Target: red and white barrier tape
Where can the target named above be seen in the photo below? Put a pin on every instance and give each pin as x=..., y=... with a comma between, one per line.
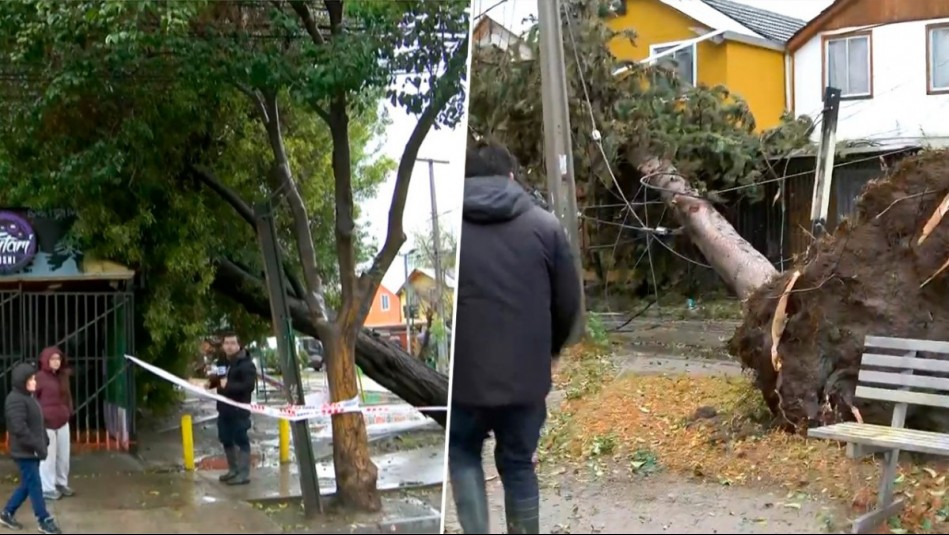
x=292, y=413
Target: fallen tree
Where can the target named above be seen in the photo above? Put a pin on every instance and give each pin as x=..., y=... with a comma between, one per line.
x=382, y=361
x=803, y=331
x=872, y=277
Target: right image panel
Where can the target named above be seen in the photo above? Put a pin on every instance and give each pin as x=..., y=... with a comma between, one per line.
x=655, y=324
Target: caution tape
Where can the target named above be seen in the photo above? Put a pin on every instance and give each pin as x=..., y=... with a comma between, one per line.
x=292, y=413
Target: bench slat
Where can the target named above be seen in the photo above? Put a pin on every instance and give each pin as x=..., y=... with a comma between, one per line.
x=904, y=380
x=886, y=437
x=903, y=396
x=904, y=363
x=906, y=344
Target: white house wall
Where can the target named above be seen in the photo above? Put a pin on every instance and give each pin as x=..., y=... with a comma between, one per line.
x=900, y=111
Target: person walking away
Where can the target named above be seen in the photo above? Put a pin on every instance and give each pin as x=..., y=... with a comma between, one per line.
x=28, y=447
x=55, y=398
x=518, y=300
x=233, y=423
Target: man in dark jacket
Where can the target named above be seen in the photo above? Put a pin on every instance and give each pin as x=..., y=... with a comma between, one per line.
x=518, y=300
x=28, y=447
x=233, y=423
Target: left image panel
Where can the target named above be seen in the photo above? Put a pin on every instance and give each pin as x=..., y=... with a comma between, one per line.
x=228, y=237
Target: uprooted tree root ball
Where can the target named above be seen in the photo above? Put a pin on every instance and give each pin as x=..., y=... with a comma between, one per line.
x=869, y=278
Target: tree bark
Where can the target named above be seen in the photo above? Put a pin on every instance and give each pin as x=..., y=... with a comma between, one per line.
x=384, y=362
x=735, y=260
x=356, y=474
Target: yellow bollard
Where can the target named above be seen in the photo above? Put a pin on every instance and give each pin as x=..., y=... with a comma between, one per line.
x=284, y=441
x=187, y=442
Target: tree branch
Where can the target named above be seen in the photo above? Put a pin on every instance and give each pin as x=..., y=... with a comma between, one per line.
x=335, y=10
x=256, y=99
x=244, y=210
x=230, y=196
x=345, y=221
x=301, y=9
x=283, y=179
x=395, y=236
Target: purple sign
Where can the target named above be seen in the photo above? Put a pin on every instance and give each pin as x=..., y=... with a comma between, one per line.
x=17, y=243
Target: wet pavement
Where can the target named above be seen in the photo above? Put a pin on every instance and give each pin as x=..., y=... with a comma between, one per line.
x=420, y=467
x=151, y=492
x=115, y=494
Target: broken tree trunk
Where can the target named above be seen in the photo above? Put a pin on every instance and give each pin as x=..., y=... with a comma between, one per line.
x=868, y=278
x=742, y=267
x=384, y=362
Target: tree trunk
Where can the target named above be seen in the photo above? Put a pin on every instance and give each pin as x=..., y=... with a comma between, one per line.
x=742, y=267
x=872, y=277
x=384, y=362
x=356, y=475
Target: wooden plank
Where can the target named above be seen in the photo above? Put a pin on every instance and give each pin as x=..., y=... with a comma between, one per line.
x=907, y=344
x=868, y=522
x=885, y=437
x=904, y=380
x=902, y=396
x=904, y=363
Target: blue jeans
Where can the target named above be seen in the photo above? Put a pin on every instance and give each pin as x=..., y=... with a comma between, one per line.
x=30, y=487
x=516, y=434
x=232, y=431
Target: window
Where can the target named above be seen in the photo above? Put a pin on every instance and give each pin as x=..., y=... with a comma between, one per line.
x=938, y=61
x=385, y=302
x=682, y=61
x=848, y=66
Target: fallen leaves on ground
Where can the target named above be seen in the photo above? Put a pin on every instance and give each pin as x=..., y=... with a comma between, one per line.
x=710, y=427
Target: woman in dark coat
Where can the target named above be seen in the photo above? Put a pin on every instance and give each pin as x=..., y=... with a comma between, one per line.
x=28, y=447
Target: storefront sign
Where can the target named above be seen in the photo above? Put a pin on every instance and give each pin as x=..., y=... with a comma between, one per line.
x=17, y=243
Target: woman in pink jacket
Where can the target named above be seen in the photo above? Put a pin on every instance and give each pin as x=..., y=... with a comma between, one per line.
x=55, y=398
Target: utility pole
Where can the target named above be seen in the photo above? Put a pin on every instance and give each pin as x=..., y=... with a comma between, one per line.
x=824, y=174
x=439, y=274
x=558, y=143
x=407, y=305
x=286, y=350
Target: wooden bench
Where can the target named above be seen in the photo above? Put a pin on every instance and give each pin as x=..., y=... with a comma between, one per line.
x=893, y=379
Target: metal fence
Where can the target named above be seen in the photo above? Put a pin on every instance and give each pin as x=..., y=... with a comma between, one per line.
x=94, y=330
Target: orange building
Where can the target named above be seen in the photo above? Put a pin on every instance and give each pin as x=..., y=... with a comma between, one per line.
x=386, y=309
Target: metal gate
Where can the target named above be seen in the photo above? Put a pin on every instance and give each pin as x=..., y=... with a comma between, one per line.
x=95, y=331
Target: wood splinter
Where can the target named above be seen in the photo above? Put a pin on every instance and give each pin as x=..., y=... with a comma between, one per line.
x=934, y=220
x=934, y=275
x=780, y=321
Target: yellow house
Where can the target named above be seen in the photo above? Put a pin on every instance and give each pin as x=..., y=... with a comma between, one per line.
x=713, y=42
x=419, y=294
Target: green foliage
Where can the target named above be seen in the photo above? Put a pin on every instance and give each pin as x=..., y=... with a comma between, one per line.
x=108, y=105
x=708, y=132
x=596, y=332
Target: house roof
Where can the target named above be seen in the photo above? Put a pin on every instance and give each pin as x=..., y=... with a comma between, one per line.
x=768, y=24
x=810, y=29
x=737, y=18
x=430, y=273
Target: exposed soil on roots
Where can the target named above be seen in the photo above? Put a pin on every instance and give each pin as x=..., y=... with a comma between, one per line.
x=863, y=280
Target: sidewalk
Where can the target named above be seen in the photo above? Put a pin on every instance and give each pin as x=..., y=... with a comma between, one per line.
x=114, y=494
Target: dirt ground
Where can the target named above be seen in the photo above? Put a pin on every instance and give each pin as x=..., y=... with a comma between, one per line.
x=588, y=498
x=618, y=503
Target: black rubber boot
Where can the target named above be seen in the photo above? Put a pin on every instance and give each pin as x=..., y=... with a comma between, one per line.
x=243, y=469
x=231, y=455
x=523, y=516
x=471, y=500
